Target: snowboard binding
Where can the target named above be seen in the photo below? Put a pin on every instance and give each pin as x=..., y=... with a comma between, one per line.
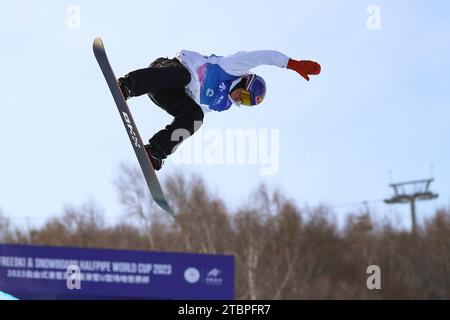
x=156, y=155
x=125, y=87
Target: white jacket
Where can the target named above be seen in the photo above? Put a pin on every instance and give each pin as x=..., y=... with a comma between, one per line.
x=237, y=64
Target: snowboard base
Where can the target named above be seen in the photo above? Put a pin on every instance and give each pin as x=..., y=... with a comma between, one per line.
x=131, y=128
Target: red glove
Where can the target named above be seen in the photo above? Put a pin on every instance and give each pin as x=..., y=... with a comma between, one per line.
x=304, y=67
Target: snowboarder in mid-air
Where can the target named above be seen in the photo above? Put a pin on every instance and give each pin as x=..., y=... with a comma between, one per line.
x=189, y=84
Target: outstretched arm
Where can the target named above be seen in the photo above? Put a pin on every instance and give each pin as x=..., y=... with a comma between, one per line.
x=241, y=62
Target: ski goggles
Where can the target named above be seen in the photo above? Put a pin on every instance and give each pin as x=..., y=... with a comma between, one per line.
x=249, y=94
x=246, y=98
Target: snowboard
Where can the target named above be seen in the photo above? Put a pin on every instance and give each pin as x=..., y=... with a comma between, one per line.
x=130, y=126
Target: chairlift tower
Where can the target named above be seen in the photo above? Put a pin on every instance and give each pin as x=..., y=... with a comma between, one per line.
x=409, y=192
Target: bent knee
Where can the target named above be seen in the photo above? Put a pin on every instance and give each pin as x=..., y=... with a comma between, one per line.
x=194, y=116
x=192, y=112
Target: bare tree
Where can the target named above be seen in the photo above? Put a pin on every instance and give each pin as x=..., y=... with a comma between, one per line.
x=201, y=224
x=250, y=243
x=136, y=201
x=5, y=228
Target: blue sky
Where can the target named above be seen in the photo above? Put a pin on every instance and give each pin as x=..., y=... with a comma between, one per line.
x=380, y=105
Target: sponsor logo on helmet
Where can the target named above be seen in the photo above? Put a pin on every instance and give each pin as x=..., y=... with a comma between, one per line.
x=259, y=99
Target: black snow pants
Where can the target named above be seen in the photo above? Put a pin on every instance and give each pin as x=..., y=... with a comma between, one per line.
x=164, y=82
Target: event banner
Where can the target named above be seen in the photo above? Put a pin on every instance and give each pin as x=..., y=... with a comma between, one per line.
x=43, y=272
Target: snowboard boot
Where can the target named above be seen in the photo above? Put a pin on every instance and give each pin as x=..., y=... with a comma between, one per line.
x=156, y=155
x=125, y=87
